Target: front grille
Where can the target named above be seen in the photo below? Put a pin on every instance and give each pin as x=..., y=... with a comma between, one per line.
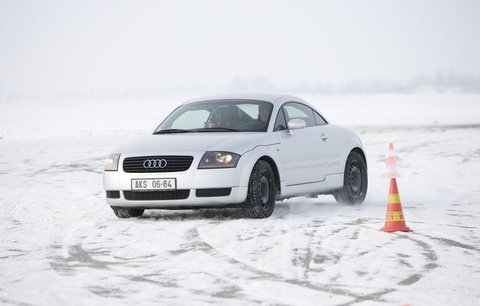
x=113, y=194
x=180, y=194
x=173, y=164
x=213, y=192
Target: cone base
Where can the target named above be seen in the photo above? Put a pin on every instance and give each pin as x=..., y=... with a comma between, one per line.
x=391, y=229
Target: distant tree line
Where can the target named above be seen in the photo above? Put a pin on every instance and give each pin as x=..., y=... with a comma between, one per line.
x=441, y=82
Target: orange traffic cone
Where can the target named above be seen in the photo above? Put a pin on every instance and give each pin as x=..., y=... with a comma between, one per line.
x=394, y=221
x=391, y=163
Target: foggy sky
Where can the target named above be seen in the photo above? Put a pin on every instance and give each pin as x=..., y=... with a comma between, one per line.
x=48, y=47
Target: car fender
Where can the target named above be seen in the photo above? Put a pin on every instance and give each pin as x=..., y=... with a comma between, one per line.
x=353, y=142
x=250, y=158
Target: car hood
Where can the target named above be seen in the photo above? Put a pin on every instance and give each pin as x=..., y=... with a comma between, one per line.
x=193, y=142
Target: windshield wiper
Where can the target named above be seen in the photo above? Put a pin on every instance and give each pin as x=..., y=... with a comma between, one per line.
x=171, y=131
x=217, y=129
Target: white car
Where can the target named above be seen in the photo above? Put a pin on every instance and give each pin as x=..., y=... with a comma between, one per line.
x=248, y=150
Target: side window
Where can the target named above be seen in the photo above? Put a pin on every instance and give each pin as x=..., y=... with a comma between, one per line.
x=280, y=122
x=295, y=110
x=319, y=119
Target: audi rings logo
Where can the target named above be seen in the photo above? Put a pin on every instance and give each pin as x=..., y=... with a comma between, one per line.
x=155, y=163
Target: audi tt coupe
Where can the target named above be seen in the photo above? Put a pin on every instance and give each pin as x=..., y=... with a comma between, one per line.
x=247, y=150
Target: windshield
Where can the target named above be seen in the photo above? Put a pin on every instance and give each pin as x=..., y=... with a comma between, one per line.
x=218, y=116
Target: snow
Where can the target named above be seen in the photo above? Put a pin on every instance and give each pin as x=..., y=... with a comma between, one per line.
x=61, y=244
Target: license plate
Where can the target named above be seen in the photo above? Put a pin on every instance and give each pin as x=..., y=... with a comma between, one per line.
x=154, y=184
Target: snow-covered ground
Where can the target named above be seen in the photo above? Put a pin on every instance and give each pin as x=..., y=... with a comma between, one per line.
x=61, y=244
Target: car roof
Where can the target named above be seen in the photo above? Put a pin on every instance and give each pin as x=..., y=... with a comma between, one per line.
x=269, y=97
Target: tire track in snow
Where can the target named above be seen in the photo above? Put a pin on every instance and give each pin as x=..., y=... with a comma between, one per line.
x=431, y=256
x=211, y=250
x=325, y=288
x=425, y=249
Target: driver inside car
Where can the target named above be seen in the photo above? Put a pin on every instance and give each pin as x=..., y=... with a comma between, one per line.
x=223, y=117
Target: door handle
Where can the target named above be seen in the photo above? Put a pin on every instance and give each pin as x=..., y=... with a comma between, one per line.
x=323, y=137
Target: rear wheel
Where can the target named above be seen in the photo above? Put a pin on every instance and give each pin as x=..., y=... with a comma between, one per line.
x=122, y=212
x=355, y=181
x=261, y=192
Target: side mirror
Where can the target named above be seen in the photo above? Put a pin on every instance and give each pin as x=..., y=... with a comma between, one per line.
x=296, y=124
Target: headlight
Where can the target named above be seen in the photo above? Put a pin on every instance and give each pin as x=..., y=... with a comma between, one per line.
x=111, y=163
x=218, y=159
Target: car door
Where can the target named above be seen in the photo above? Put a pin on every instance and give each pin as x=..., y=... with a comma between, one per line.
x=331, y=145
x=303, y=154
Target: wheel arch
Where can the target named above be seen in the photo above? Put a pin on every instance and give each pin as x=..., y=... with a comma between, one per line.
x=359, y=151
x=276, y=173
x=347, y=153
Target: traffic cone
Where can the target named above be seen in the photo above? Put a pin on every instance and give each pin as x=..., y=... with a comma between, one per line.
x=394, y=221
x=391, y=163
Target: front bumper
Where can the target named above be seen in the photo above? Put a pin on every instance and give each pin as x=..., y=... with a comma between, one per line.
x=195, y=188
x=237, y=195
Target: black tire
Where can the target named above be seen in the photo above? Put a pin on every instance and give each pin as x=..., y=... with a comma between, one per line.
x=261, y=192
x=122, y=212
x=355, y=181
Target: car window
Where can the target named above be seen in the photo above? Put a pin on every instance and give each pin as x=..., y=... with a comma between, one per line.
x=227, y=115
x=319, y=119
x=191, y=119
x=280, y=122
x=295, y=110
x=249, y=109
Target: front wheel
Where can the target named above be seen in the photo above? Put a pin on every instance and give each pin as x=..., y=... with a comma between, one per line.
x=261, y=192
x=355, y=181
x=122, y=212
